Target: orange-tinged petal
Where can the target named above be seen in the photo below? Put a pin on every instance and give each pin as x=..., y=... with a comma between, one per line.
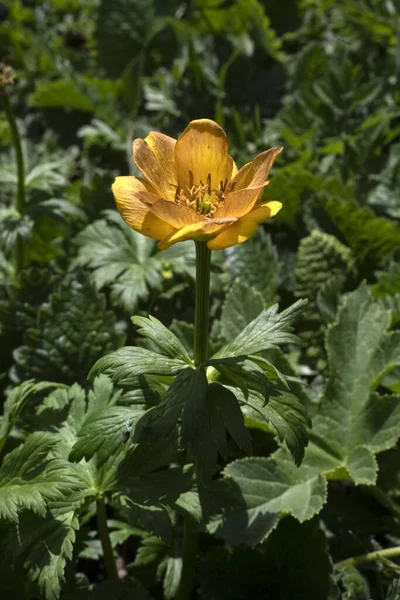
x=136, y=213
x=202, y=149
x=197, y=231
x=155, y=157
x=239, y=203
x=255, y=172
x=176, y=215
x=244, y=228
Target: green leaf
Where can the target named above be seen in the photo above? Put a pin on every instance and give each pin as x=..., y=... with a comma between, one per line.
x=355, y=585
x=124, y=29
x=242, y=304
x=103, y=433
x=261, y=490
x=287, y=416
x=361, y=465
x=232, y=417
x=353, y=423
x=256, y=264
x=185, y=332
x=173, y=572
x=15, y=404
x=320, y=259
x=128, y=261
x=153, y=329
x=370, y=237
x=269, y=330
x=162, y=419
x=29, y=478
x=121, y=258
x=126, y=364
x=43, y=545
x=83, y=93
x=73, y=332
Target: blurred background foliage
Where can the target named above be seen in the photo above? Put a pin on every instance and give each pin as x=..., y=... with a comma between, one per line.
x=320, y=77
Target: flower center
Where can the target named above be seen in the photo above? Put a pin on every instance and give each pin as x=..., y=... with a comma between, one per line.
x=203, y=198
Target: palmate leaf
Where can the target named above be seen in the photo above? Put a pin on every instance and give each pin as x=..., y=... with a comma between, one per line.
x=153, y=329
x=286, y=415
x=260, y=490
x=126, y=364
x=73, y=332
x=205, y=425
x=37, y=477
x=269, y=330
x=13, y=225
x=42, y=546
x=15, y=403
x=352, y=422
x=104, y=432
x=208, y=412
x=29, y=478
x=127, y=261
x=242, y=304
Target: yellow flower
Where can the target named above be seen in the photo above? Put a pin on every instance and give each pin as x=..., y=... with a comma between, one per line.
x=193, y=190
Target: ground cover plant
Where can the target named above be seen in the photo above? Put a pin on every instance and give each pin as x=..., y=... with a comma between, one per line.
x=199, y=374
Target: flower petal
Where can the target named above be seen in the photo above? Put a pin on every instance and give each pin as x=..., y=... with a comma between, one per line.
x=244, y=228
x=137, y=213
x=255, y=172
x=197, y=231
x=202, y=149
x=155, y=157
x=176, y=215
x=239, y=203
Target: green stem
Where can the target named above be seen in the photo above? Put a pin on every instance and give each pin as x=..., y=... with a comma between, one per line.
x=20, y=198
x=189, y=560
x=369, y=557
x=108, y=555
x=203, y=263
x=201, y=310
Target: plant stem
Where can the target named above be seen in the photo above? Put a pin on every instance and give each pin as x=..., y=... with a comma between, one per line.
x=111, y=568
x=189, y=560
x=203, y=263
x=369, y=557
x=201, y=310
x=20, y=198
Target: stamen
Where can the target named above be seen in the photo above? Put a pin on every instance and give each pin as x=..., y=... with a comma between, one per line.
x=209, y=183
x=202, y=198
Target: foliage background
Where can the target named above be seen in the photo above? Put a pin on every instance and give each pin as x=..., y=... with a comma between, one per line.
x=319, y=77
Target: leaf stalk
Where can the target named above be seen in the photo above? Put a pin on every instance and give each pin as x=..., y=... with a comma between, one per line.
x=20, y=197
x=355, y=561
x=104, y=534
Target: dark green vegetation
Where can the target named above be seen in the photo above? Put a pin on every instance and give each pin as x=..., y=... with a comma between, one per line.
x=319, y=77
